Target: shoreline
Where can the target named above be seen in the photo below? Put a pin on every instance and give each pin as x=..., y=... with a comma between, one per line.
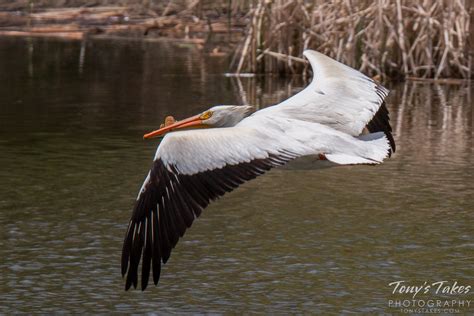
x=244, y=37
x=219, y=35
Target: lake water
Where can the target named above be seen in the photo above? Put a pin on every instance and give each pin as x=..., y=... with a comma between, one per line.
x=72, y=159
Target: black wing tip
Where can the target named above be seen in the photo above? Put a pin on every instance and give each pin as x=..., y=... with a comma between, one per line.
x=144, y=285
x=391, y=140
x=380, y=122
x=171, y=201
x=128, y=284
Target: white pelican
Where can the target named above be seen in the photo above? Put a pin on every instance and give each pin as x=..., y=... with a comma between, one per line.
x=191, y=168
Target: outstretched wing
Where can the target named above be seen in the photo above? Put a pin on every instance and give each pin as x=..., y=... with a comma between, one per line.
x=193, y=168
x=190, y=169
x=340, y=97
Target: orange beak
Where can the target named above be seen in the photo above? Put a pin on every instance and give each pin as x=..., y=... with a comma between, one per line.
x=194, y=121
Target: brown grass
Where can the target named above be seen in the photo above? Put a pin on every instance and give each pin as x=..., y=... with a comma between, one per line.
x=401, y=38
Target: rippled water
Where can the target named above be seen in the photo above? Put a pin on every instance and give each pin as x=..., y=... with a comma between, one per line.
x=72, y=159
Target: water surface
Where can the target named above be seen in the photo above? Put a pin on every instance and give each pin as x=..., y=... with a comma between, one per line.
x=72, y=116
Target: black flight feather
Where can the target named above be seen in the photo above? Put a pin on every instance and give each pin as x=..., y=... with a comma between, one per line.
x=169, y=203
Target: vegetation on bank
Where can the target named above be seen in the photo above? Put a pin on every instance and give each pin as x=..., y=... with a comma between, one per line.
x=427, y=39
x=383, y=38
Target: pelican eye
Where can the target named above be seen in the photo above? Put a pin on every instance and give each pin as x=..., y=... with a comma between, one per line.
x=206, y=115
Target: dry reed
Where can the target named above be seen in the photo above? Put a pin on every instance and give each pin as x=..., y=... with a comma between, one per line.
x=402, y=38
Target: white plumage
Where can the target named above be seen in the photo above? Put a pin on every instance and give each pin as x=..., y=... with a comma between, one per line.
x=338, y=96
x=256, y=137
x=193, y=167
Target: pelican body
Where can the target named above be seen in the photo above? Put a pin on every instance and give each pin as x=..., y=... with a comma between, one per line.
x=340, y=117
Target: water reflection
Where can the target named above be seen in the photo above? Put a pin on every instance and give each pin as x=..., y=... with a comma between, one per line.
x=440, y=116
x=309, y=241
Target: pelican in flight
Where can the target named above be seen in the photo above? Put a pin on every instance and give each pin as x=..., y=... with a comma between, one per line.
x=340, y=117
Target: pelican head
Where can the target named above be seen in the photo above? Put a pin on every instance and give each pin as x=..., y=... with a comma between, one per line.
x=217, y=116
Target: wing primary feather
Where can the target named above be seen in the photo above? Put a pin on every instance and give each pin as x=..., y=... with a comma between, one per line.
x=189, y=199
x=168, y=229
x=172, y=212
x=242, y=172
x=253, y=168
x=195, y=192
x=233, y=178
x=126, y=249
x=215, y=187
x=380, y=122
x=173, y=225
x=226, y=185
x=206, y=187
x=136, y=252
x=147, y=253
x=165, y=244
x=179, y=221
x=186, y=212
x=156, y=260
